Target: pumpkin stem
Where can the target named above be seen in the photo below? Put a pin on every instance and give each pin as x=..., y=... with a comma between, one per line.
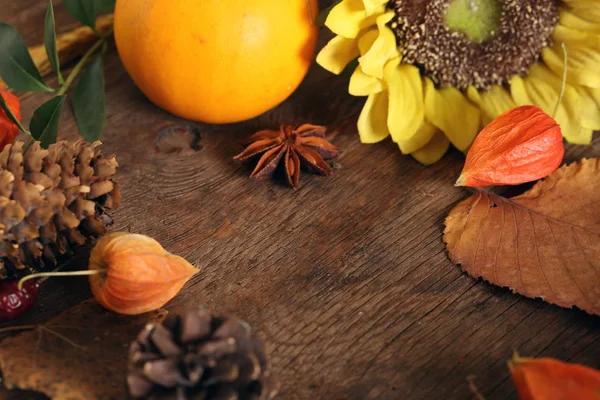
x=69, y=273
x=564, y=79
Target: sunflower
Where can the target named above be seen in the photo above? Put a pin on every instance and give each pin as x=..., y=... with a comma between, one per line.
x=436, y=71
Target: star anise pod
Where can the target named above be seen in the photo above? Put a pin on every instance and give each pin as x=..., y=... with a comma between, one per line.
x=303, y=145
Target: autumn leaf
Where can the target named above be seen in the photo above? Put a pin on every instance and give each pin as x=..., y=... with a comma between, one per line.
x=544, y=243
x=80, y=354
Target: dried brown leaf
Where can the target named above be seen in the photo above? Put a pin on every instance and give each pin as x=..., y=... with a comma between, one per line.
x=544, y=243
x=80, y=354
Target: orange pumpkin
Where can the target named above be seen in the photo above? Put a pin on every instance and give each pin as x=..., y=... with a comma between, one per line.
x=216, y=61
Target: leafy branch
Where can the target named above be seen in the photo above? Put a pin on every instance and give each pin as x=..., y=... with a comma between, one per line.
x=20, y=73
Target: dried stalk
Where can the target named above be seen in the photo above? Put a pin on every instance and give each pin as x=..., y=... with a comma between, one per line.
x=473, y=388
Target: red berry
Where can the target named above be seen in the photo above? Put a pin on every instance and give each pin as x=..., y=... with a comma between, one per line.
x=14, y=302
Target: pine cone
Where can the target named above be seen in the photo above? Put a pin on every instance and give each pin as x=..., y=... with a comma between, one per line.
x=199, y=356
x=52, y=201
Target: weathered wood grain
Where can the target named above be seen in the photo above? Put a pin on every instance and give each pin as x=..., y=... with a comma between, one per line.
x=347, y=277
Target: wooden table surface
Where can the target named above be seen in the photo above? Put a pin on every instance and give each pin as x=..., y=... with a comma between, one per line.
x=347, y=277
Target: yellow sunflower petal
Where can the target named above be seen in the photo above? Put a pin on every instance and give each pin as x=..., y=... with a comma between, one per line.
x=583, y=55
x=372, y=6
x=528, y=90
x=406, y=111
x=586, y=106
x=587, y=9
x=349, y=17
x=548, y=92
x=453, y=113
x=337, y=54
x=571, y=20
x=366, y=40
x=518, y=91
x=372, y=123
x=473, y=95
x=383, y=48
x=494, y=102
x=433, y=151
x=579, y=135
x=580, y=64
x=541, y=87
x=575, y=35
x=579, y=104
x=362, y=84
x=595, y=95
x=420, y=139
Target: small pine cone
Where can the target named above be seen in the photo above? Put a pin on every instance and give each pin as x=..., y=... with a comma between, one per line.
x=52, y=201
x=199, y=356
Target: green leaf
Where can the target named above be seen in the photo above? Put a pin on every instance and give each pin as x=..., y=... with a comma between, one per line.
x=82, y=10
x=105, y=6
x=45, y=120
x=16, y=66
x=89, y=101
x=50, y=42
x=322, y=17
x=4, y=106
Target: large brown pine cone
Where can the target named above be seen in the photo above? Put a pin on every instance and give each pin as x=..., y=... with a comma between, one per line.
x=199, y=356
x=52, y=201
